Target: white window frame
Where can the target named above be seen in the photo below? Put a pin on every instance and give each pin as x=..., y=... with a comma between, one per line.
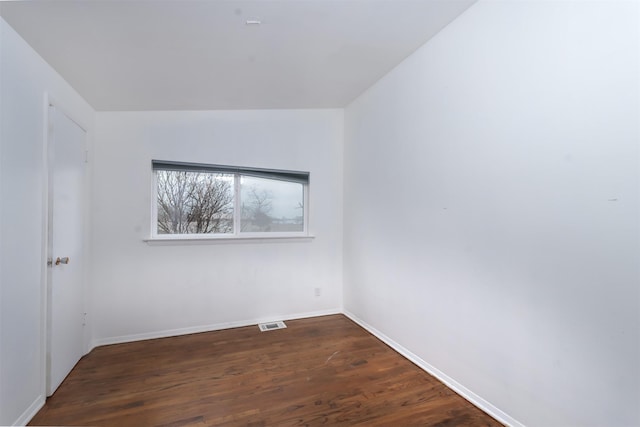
x=237, y=234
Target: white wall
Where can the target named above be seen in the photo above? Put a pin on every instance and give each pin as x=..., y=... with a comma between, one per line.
x=142, y=290
x=25, y=78
x=491, y=209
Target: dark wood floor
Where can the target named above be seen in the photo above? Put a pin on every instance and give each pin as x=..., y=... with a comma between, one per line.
x=319, y=371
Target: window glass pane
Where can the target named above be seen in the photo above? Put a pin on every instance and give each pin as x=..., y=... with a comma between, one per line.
x=270, y=205
x=194, y=202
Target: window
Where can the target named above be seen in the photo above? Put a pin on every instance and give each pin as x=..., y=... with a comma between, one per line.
x=198, y=200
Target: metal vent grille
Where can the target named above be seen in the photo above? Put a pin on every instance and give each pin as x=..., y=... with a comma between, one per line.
x=271, y=326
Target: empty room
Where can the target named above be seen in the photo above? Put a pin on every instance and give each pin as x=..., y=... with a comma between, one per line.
x=320, y=212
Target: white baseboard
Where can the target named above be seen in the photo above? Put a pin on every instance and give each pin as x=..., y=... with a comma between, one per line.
x=448, y=381
x=207, y=328
x=30, y=412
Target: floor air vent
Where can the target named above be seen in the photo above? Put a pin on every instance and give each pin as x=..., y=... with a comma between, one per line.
x=271, y=326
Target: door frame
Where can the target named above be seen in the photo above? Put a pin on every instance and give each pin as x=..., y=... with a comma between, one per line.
x=45, y=300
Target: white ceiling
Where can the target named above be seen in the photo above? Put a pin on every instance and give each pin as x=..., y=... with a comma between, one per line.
x=199, y=54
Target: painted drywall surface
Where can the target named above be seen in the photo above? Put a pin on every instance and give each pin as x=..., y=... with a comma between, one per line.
x=25, y=79
x=140, y=288
x=491, y=208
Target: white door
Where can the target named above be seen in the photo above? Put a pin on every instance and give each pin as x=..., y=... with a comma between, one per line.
x=65, y=276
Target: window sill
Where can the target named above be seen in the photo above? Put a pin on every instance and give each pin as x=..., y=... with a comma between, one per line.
x=206, y=240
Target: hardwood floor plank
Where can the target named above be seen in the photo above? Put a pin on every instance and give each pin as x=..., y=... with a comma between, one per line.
x=319, y=371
